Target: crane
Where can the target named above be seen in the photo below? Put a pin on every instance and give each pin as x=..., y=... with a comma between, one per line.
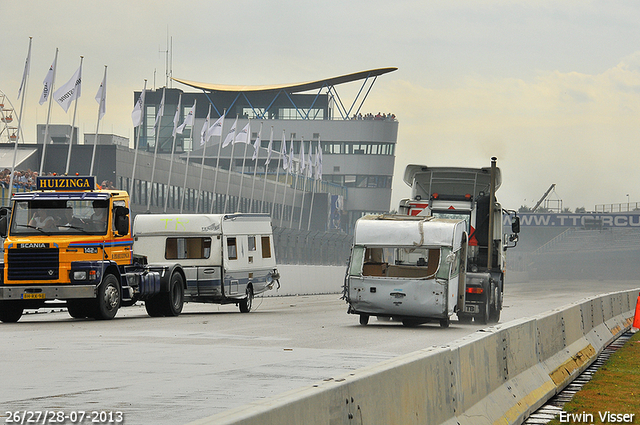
x=543, y=197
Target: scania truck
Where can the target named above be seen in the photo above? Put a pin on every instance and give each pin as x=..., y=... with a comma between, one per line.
x=69, y=243
x=468, y=194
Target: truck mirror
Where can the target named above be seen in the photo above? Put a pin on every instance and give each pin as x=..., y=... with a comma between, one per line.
x=3, y=226
x=4, y=218
x=515, y=225
x=122, y=220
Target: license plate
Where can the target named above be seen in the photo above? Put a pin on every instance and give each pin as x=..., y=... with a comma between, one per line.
x=39, y=296
x=469, y=308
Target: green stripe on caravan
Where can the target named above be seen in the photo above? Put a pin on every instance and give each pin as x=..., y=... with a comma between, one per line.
x=66, y=183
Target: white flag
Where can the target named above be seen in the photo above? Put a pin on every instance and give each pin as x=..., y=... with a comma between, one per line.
x=160, y=111
x=25, y=73
x=283, y=152
x=176, y=117
x=309, y=163
x=291, y=159
x=188, y=119
x=70, y=91
x=256, y=144
x=204, y=131
x=302, y=158
x=319, y=165
x=216, y=128
x=136, y=114
x=244, y=136
x=269, y=149
x=48, y=83
x=231, y=135
x=101, y=96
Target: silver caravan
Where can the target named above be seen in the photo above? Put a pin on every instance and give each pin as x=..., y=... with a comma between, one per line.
x=409, y=268
x=226, y=258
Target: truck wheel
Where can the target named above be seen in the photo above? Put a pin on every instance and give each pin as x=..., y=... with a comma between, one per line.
x=168, y=303
x=444, y=323
x=78, y=309
x=496, y=306
x=174, y=299
x=108, y=299
x=483, y=319
x=10, y=311
x=364, y=319
x=246, y=304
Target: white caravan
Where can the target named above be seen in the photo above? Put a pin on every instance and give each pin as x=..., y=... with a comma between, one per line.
x=226, y=258
x=409, y=268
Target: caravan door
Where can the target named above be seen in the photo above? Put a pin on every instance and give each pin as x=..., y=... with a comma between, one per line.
x=233, y=251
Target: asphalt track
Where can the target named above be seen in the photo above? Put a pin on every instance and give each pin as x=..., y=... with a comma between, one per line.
x=212, y=358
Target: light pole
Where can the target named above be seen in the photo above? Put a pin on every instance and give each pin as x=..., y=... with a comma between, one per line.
x=628, y=203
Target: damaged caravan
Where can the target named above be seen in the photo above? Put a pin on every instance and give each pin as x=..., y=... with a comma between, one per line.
x=407, y=268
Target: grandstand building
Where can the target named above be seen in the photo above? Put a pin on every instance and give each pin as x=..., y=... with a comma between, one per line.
x=358, y=153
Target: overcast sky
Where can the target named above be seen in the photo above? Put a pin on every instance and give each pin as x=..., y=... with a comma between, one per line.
x=550, y=88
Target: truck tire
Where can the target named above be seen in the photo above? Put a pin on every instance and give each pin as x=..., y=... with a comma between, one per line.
x=444, y=323
x=364, y=319
x=108, y=299
x=174, y=299
x=496, y=306
x=10, y=311
x=485, y=312
x=246, y=304
x=168, y=303
x=79, y=309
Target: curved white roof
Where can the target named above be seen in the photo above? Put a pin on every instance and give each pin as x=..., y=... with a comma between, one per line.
x=400, y=230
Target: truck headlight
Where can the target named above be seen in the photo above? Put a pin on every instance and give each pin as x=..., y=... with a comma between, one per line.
x=80, y=275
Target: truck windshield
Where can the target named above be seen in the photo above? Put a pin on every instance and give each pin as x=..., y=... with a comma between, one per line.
x=66, y=217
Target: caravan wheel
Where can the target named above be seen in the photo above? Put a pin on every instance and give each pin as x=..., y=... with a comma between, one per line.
x=246, y=304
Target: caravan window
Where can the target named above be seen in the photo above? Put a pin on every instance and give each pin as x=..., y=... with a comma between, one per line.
x=232, y=250
x=252, y=243
x=266, y=247
x=187, y=248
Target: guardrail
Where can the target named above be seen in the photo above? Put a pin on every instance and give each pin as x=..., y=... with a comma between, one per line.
x=499, y=375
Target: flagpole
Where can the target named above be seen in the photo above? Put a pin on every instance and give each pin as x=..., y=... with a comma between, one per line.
x=286, y=180
x=100, y=106
x=186, y=169
x=215, y=179
x=244, y=157
x=156, y=126
x=137, y=147
x=46, y=127
x=266, y=169
x=304, y=190
x=255, y=168
x=313, y=188
x=25, y=78
x=275, y=186
x=233, y=145
x=73, y=124
x=173, y=149
x=204, y=149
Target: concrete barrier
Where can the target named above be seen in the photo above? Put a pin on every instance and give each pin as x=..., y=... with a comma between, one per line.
x=498, y=375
